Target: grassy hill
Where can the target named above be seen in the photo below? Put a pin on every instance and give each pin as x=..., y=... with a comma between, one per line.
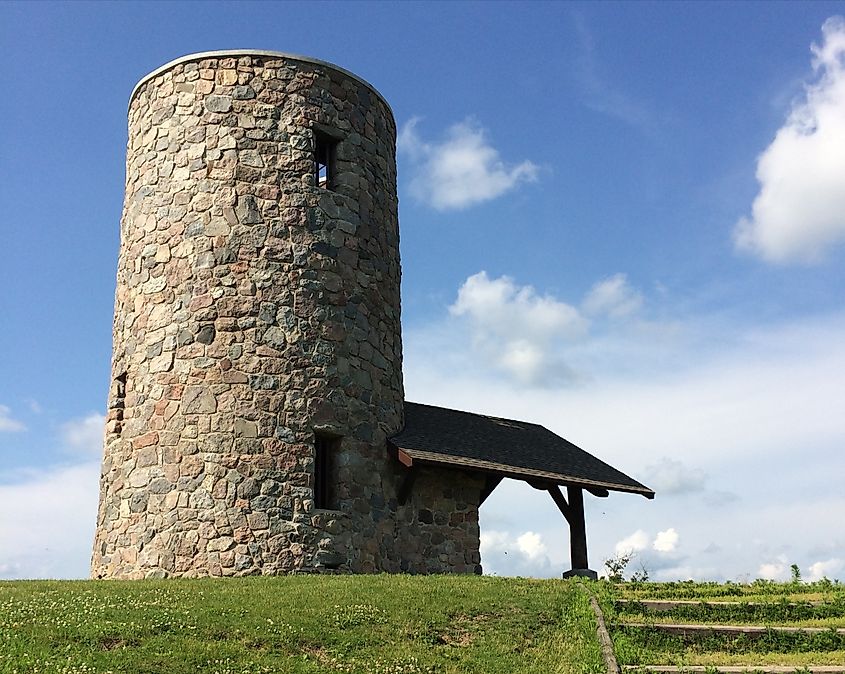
x=354, y=624
x=405, y=625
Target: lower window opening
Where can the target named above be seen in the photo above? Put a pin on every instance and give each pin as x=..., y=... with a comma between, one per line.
x=325, y=471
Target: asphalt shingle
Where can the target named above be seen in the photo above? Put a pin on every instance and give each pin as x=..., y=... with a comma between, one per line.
x=514, y=448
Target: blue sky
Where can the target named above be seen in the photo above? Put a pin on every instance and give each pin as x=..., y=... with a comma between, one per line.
x=622, y=221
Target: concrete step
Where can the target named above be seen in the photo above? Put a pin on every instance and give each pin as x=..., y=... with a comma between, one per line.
x=729, y=630
x=743, y=669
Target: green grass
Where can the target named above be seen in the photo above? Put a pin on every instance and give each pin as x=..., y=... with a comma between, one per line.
x=759, y=590
x=307, y=624
x=774, y=604
x=772, y=613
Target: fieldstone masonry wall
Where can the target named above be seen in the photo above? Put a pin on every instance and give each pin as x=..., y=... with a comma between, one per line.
x=253, y=308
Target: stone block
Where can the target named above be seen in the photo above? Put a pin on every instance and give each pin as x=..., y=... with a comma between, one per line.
x=198, y=400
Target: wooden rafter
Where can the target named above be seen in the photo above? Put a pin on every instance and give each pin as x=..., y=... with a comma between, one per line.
x=408, y=479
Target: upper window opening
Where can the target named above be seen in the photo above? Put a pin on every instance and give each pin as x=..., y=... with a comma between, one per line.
x=325, y=462
x=324, y=160
x=118, y=402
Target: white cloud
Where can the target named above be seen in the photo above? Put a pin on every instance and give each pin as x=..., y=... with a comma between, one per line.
x=85, y=435
x=506, y=553
x=55, y=509
x=669, y=476
x=763, y=394
x=537, y=339
x=52, y=530
x=687, y=572
x=494, y=541
x=636, y=542
x=774, y=570
x=666, y=541
x=601, y=95
x=531, y=545
x=460, y=171
x=499, y=303
x=515, y=326
x=7, y=423
x=613, y=297
x=799, y=212
x=828, y=568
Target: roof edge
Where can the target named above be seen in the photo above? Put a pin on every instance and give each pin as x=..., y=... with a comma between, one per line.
x=491, y=417
x=223, y=53
x=450, y=460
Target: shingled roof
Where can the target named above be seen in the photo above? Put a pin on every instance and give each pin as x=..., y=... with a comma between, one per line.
x=437, y=435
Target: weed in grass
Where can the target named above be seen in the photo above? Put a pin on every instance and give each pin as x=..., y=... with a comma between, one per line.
x=357, y=614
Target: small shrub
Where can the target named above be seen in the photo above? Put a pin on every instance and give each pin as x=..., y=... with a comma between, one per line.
x=616, y=566
x=795, y=573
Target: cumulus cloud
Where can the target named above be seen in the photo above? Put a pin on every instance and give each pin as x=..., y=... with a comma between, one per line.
x=462, y=170
x=669, y=476
x=534, y=337
x=799, y=212
x=828, y=568
x=613, y=297
x=531, y=545
x=51, y=533
x=7, y=423
x=636, y=542
x=84, y=435
x=507, y=553
x=55, y=508
x=666, y=541
x=516, y=326
x=777, y=569
x=688, y=572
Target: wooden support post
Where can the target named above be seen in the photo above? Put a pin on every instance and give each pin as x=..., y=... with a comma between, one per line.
x=573, y=511
x=577, y=528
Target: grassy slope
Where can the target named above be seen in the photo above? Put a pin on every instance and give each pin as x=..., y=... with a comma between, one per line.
x=308, y=624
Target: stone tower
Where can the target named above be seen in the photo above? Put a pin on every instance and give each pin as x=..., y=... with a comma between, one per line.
x=257, y=350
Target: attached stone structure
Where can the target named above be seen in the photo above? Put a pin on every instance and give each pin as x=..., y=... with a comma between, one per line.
x=257, y=345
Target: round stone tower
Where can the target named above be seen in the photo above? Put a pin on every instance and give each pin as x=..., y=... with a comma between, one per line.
x=257, y=351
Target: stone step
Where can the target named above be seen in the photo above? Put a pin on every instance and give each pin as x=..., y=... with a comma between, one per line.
x=742, y=669
x=730, y=630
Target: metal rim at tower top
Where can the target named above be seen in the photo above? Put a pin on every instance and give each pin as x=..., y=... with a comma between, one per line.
x=257, y=364
x=224, y=53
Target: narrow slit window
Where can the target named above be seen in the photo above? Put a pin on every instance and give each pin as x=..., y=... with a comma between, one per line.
x=324, y=160
x=118, y=403
x=325, y=459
